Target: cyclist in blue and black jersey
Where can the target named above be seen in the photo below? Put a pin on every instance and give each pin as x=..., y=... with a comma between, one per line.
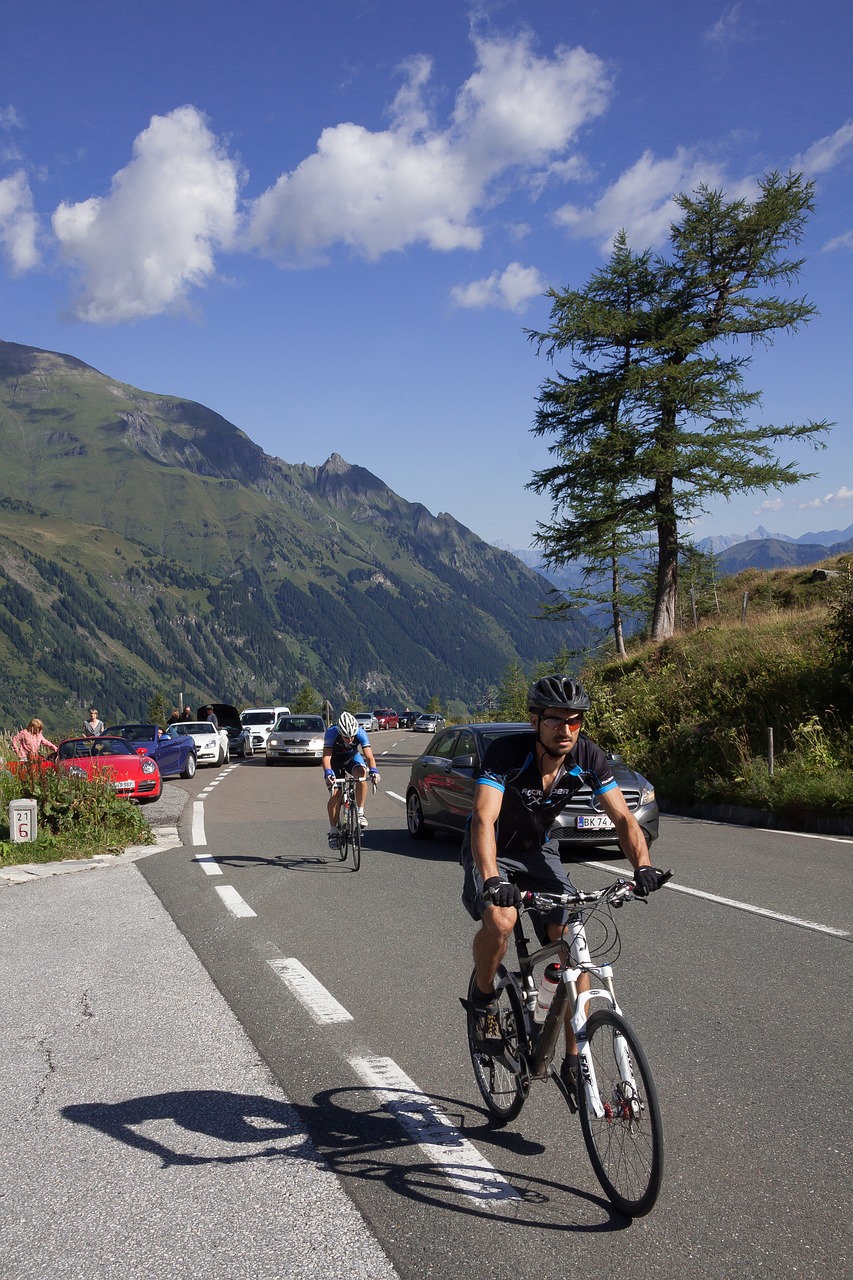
x=346, y=749
x=524, y=782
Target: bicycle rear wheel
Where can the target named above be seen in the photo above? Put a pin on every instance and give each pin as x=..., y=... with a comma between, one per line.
x=625, y=1145
x=504, y=1089
x=343, y=831
x=355, y=837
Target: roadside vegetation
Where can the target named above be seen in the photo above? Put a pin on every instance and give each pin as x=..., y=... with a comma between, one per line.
x=76, y=818
x=773, y=651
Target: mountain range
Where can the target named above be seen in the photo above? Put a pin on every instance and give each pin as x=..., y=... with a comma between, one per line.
x=148, y=545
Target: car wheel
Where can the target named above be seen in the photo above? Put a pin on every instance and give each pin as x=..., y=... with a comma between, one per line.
x=188, y=770
x=418, y=829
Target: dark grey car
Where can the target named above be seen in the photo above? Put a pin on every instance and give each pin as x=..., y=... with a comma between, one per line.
x=440, y=794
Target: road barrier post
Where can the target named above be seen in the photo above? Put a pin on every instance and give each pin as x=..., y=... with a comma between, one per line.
x=23, y=820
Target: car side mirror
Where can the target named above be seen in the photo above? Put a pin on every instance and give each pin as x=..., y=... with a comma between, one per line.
x=140, y=751
x=616, y=758
x=463, y=762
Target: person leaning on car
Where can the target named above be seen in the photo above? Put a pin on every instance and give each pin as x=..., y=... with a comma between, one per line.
x=93, y=727
x=523, y=783
x=29, y=742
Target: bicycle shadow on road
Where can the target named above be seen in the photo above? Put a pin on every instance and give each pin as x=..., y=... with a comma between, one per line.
x=209, y=1117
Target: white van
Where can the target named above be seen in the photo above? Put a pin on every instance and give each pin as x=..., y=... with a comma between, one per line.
x=260, y=721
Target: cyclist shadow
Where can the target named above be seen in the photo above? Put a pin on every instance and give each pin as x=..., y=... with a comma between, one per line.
x=191, y=1127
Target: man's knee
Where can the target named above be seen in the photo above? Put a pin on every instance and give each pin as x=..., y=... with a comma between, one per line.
x=499, y=922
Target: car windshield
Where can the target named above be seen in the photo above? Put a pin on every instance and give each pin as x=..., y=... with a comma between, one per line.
x=135, y=732
x=195, y=726
x=97, y=747
x=257, y=717
x=301, y=724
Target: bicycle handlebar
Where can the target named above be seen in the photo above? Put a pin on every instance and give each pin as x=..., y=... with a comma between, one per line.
x=620, y=891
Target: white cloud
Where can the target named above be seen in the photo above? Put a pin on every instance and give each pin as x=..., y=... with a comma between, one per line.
x=141, y=247
x=9, y=118
x=728, y=28
x=510, y=289
x=18, y=222
x=641, y=200
x=842, y=497
x=844, y=241
x=415, y=183
x=827, y=152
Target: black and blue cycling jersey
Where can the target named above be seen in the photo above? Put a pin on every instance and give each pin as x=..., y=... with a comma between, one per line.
x=344, y=753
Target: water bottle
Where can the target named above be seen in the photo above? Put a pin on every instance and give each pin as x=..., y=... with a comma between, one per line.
x=547, y=987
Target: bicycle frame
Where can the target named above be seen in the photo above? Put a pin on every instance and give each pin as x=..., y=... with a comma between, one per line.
x=573, y=952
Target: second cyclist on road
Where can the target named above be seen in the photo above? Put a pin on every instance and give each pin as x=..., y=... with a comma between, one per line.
x=346, y=749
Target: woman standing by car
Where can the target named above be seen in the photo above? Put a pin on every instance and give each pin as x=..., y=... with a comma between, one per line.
x=29, y=742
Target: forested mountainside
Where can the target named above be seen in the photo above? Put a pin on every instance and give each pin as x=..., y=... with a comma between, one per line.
x=147, y=545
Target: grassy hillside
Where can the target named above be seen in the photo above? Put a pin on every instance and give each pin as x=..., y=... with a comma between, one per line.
x=694, y=713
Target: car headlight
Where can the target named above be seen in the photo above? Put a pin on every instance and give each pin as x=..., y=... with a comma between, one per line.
x=76, y=772
x=647, y=795
x=149, y=766
x=273, y=741
x=315, y=744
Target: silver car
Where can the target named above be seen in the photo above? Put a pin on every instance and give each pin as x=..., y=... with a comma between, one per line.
x=367, y=721
x=295, y=738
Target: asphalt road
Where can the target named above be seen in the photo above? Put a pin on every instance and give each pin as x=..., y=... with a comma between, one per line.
x=745, y=1018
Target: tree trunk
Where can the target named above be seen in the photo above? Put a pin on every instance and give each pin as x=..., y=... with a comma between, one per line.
x=618, y=633
x=666, y=594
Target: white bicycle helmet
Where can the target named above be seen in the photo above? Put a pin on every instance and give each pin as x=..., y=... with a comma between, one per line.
x=347, y=724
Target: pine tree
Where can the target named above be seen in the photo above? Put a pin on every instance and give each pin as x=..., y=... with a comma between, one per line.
x=656, y=419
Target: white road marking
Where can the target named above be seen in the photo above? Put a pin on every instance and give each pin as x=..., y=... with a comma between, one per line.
x=460, y=1161
x=770, y=831
x=197, y=835
x=319, y=1002
x=233, y=901
x=208, y=864
x=739, y=906
x=394, y=796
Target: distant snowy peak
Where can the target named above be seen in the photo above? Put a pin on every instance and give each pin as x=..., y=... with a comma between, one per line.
x=721, y=542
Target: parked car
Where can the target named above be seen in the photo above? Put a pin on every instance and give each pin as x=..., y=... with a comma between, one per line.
x=386, y=718
x=175, y=753
x=133, y=773
x=211, y=743
x=366, y=721
x=296, y=738
x=260, y=722
x=239, y=734
x=407, y=718
x=440, y=794
x=428, y=723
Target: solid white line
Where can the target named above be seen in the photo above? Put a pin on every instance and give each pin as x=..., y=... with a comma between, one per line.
x=770, y=831
x=233, y=901
x=460, y=1161
x=319, y=1002
x=208, y=864
x=394, y=796
x=739, y=906
x=198, y=836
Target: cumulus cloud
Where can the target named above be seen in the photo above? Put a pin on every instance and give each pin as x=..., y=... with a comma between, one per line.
x=842, y=497
x=18, y=223
x=772, y=504
x=827, y=152
x=414, y=182
x=641, y=200
x=510, y=289
x=141, y=247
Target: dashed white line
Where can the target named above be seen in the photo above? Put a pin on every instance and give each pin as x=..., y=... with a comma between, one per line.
x=235, y=904
x=319, y=1002
x=460, y=1161
x=738, y=906
x=394, y=796
x=208, y=864
x=197, y=834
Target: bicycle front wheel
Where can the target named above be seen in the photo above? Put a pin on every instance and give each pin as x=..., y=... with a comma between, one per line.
x=355, y=838
x=503, y=1088
x=625, y=1145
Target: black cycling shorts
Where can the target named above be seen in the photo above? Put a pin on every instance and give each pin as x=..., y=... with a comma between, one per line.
x=542, y=872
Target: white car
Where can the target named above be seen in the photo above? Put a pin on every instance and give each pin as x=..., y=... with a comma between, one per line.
x=211, y=743
x=260, y=722
x=296, y=738
x=367, y=721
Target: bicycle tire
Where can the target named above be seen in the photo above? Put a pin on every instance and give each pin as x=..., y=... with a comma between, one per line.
x=355, y=837
x=343, y=831
x=626, y=1145
x=504, y=1091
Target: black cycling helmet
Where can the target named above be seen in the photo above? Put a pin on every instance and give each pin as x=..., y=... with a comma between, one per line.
x=558, y=691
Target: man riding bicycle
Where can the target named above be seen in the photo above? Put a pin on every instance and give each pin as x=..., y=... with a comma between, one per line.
x=346, y=749
x=524, y=782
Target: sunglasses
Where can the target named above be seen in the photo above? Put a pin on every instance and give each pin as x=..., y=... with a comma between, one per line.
x=556, y=722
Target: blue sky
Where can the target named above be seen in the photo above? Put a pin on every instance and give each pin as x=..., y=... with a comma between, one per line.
x=332, y=223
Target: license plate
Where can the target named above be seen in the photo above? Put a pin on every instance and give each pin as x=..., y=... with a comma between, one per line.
x=296, y=751
x=124, y=786
x=598, y=822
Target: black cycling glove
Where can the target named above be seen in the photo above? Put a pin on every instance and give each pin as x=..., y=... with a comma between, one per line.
x=501, y=892
x=647, y=879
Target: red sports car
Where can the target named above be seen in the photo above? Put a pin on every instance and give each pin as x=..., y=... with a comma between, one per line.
x=132, y=772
